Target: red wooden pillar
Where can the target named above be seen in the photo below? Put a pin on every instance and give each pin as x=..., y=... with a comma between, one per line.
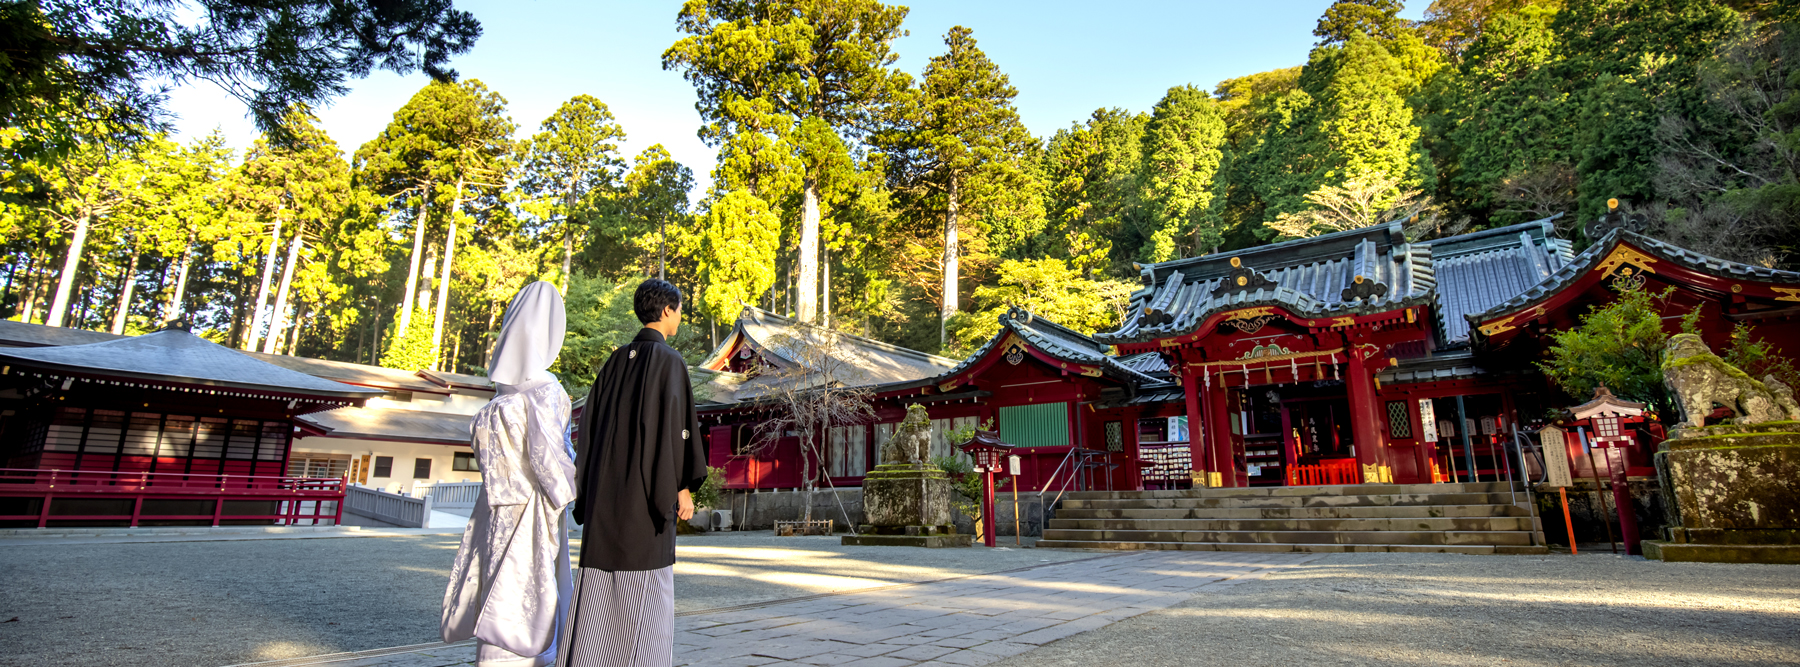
x=1220, y=417
x=1365, y=427
x=1198, y=443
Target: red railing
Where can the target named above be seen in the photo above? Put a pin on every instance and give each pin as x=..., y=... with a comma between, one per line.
x=1326, y=471
x=295, y=499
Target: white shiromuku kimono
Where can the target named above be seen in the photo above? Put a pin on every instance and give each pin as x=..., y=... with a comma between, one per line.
x=511, y=584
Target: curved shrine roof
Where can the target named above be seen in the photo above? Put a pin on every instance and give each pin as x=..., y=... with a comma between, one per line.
x=179, y=357
x=1353, y=272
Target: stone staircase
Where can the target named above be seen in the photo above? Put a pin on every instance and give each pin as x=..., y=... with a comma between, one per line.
x=1478, y=518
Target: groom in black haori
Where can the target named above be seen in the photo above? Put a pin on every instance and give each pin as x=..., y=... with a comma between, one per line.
x=638, y=459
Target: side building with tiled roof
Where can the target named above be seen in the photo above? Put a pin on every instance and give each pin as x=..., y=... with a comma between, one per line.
x=411, y=429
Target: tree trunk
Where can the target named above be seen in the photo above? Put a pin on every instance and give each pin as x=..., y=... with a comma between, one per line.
x=825, y=290
x=59, y=306
x=262, y=293
x=278, y=321
x=806, y=478
x=118, y=324
x=412, y=268
x=808, y=294
x=177, y=300
x=36, y=286
x=299, y=321
x=443, y=295
x=952, y=253
x=488, y=350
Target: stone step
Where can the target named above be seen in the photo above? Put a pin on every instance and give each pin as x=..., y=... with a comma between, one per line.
x=1340, y=512
x=1175, y=502
x=1474, y=549
x=1459, y=537
x=1316, y=525
x=1324, y=490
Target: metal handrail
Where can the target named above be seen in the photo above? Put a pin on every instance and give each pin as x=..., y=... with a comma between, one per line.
x=1525, y=481
x=1043, y=508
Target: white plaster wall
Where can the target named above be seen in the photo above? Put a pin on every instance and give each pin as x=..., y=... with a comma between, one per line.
x=404, y=453
x=454, y=404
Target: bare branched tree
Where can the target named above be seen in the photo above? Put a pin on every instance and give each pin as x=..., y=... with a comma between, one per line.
x=1730, y=195
x=1368, y=200
x=822, y=389
x=1539, y=192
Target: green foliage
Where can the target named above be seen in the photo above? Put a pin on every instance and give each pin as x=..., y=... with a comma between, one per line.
x=1183, y=146
x=1374, y=18
x=1050, y=289
x=410, y=350
x=1619, y=345
x=68, y=64
x=599, y=320
x=737, y=253
x=711, y=491
x=1759, y=358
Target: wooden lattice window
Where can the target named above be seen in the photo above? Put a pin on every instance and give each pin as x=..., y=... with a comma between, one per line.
x=1399, y=421
x=1115, y=436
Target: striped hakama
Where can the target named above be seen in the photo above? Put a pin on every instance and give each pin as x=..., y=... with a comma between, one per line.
x=621, y=619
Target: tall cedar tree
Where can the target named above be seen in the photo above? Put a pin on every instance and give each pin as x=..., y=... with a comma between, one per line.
x=957, y=147
x=811, y=67
x=574, y=155
x=1183, y=145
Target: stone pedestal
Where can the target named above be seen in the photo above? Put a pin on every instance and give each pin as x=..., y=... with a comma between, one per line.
x=907, y=504
x=1732, y=494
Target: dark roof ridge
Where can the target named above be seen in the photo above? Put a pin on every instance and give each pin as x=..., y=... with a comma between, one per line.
x=1545, y=227
x=890, y=347
x=1315, y=249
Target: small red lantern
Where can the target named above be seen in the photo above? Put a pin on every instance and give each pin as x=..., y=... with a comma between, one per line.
x=989, y=454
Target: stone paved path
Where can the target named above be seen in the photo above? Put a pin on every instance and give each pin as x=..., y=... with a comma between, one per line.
x=970, y=621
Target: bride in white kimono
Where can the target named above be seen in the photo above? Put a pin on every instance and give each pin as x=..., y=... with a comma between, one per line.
x=510, y=586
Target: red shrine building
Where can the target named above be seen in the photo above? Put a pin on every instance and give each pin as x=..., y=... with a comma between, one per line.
x=1349, y=358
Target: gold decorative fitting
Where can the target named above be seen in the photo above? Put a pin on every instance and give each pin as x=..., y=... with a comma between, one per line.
x=1091, y=371
x=1497, y=328
x=1786, y=293
x=1169, y=342
x=1235, y=262
x=1358, y=280
x=1735, y=288
x=1612, y=204
x=1625, y=258
x=1241, y=281
x=1410, y=317
x=1343, y=321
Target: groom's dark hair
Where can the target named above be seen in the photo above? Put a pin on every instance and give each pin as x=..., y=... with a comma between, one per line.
x=652, y=297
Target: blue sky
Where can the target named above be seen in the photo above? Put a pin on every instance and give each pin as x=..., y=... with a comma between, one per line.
x=1066, y=59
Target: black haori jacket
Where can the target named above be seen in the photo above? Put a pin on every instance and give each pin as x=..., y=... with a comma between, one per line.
x=638, y=446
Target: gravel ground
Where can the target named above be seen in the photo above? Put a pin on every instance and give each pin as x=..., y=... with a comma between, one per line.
x=1443, y=609
x=199, y=604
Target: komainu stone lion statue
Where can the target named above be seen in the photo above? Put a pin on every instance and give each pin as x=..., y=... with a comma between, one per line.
x=911, y=441
x=1700, y=378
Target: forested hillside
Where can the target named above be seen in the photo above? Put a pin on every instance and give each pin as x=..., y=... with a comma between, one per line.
x=848, y=192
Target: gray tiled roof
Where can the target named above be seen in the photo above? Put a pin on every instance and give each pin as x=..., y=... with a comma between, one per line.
x=1057, y=341
x=1476, y=271
x=179, y=357
x=21, y=334
x=1148, y=363
x=1154, y=394
x=356, y=374
x=1446, y=366
x=390, y=424
x=457, y=380
x=876, y=362
x=1581, y=263
x=1310, y=278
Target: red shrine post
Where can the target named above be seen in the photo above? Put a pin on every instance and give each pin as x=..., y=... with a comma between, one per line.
x=989, y=454
x=1625, y=439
